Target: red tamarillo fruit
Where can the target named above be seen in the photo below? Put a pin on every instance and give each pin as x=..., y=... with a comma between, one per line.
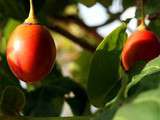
x=142, y=45
x=31, y=50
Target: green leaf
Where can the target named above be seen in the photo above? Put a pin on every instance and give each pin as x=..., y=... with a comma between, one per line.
x=44, y=118
x=62, y=86
x=54, y=7
x=128, y=3
x=48, y=99
x=18, y=9
x=44, y=101
x=103, y=81
x=145, y=107
x=88, y=3
x=105, y=3
x=148, y=8
x=154, y=26
x=81, y=67
x=12, y=101
x=6, y=76
x=15, y=8
x=106, y=113
x=148, y=76
x=79, y=103
x=9, y=27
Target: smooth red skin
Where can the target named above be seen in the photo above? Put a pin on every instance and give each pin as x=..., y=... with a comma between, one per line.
x=31, y=52
x=141, y=46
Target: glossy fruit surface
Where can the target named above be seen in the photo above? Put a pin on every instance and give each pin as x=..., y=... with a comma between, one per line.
x=142, y=45
x=31, y=52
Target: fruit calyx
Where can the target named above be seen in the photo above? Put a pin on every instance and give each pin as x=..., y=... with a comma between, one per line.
x=142, y=25
x=32, y=19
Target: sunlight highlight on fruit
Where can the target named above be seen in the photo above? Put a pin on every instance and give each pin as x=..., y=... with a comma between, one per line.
x=17, y=45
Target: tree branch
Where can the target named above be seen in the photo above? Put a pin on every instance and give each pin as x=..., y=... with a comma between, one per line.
x=75, y=39
x=78, y=21
x=154, y=16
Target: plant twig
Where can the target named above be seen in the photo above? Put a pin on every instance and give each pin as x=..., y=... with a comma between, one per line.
x=79, y=22
x=75, y=39
x=154, y=16
x=92, y=29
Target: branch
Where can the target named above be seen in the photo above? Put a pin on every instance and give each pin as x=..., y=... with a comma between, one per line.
x=154, y=16
x=91, y=30
x=75, y=39
x=78, y=21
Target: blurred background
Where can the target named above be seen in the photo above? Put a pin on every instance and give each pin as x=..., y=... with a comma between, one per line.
x=77, y=26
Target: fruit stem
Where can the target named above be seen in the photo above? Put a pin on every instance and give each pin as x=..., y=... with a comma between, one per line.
x=31, y=18
x=142, y=9
x=142, y=25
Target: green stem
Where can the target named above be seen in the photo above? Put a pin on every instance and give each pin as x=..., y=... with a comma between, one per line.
x=142, y=10
x=31, y=18
x=120, y=96
x=142, y=25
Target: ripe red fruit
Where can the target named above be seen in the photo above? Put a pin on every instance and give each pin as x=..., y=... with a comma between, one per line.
x=31, y=52
x=142, y=45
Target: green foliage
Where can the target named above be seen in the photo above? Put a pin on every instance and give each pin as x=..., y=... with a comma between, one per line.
x=81, y=67
x=19, y=9
x=105, y=3
x=43, y=102
x=43, y=118
x=16, y=6
x=154, y=26
x=9, y=27
x=8, y=107
x=7, y=78
x=107, y=113
x=148, y=8
x=103, y=82
x=144, y=107
x=88, y=2
x=120, y=95
x=128, y=3
x=148, y=76
x=56, y=6
x=49, y=98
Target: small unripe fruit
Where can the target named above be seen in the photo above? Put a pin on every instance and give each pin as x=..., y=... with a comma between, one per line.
x=143, y=45
x=31, y=52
